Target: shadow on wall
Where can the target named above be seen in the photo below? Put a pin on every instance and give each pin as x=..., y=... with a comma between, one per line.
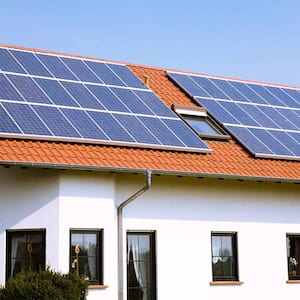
x=217, y=200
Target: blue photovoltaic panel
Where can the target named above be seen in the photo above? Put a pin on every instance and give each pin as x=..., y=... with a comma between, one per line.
x=55, y=65
x=107, y=98
x=265, y=95
x=132, y=101
x=127, y=76
x=154, y=103
x=209, y=87
x=264, y=118
x=137, y=130
x=188, y=139
x=247, y=138
x=47, y=96
x=56, y=121
x=26, y=119
x=29, y=89
x=162, y=132
x=218, y=111
x=56, y=92
x=229, y=90
x=8, y=63
x=111, y=127
x=84, y=124
x=288, y=140
x=82, y=95
x=239, y=114
x=280, y=94
x=105, y=73
x=8, y=91
x=30, y=63
x=7, y=124
x=81, y=70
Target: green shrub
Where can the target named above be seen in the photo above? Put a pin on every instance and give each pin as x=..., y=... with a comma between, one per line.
x=44, y=285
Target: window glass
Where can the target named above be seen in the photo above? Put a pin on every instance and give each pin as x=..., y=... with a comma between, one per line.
x=293, y=256
x=26, y=251
x=224, y=257
x=86, y=256
x=140, y=266
x=200, y=125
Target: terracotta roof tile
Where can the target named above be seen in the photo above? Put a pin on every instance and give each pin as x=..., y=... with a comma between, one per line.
x=228, y=158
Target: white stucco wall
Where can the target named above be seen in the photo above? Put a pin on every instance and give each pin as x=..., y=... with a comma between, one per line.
x=182, y=211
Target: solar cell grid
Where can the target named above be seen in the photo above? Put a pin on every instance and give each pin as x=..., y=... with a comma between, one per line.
x=81, y=70
x=29, y=89
x=26, y=119
x=264, y=118
x=67, y=98
x=56, y=67
x=56, y=121
x=127, y=76
x=82, y=95
x=84, y=124
x=162, y=132
x=55, y=91
x=8, y=63
x=8, y=91
x=105, y=73
x=7, y=124
x=30, y=63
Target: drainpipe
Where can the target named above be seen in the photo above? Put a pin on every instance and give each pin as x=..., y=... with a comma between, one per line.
x=120, y=232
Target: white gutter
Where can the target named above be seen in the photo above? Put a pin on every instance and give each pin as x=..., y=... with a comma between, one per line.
x=155, y=172
x=120, y=232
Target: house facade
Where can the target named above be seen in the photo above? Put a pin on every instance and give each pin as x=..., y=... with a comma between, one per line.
x=141, y=222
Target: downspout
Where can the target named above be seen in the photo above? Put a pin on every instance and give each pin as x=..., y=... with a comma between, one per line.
x=120, y=232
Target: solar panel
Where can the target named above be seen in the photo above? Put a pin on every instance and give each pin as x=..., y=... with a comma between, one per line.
x=264, y=118
x=55, y=97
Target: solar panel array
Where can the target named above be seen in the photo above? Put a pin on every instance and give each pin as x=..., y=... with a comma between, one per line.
x=46, y=96
x=264, y=118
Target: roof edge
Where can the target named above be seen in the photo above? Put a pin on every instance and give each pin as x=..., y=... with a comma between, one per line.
x=220, y=176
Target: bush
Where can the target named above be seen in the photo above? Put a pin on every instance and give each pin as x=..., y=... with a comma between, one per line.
x=44, y=285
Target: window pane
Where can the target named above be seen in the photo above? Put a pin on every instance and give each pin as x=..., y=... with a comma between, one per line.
x=293, y=252
x=224, y=256
x=226, y=246
x=88, y=262
x=26, y=251
x=140, y=266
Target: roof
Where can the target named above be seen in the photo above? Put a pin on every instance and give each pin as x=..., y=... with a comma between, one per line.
x=228, y=158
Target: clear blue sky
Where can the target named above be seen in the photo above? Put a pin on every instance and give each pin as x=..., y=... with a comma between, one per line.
x=248, y=39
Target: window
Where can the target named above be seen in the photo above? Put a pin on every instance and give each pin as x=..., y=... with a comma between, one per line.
x=86, y=255
x=293, y=256
x=199, y=120
x=141, y=266
x=224, y=256
x=25, y=251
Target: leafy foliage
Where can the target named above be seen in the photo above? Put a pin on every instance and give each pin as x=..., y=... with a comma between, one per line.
x=44, y=285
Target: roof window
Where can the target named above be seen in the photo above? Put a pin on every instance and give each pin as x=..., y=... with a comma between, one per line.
x=199, y=120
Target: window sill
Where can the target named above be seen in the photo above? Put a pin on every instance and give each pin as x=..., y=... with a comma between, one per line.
x=97, y=287
x=293, y=281
x=226, y=283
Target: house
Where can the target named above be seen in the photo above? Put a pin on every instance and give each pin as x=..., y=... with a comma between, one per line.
x=172, y=186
